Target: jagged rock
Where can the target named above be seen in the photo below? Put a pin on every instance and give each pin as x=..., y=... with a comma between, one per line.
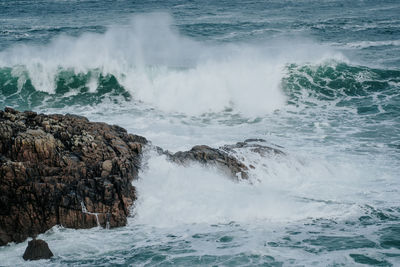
x=37, y=250
x=63, y=169
x=223, y=157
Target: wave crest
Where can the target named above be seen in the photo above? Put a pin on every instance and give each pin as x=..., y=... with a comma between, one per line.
x=157, y=65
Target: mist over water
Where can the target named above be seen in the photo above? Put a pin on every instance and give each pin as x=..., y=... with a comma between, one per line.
x=217, y=74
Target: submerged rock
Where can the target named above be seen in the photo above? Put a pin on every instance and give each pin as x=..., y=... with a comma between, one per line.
x=254, y=145
x=211, y=156
x=63, y=169
x=37, y=250
x=224, y=158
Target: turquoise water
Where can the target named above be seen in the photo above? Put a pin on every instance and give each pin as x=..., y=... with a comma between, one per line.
x=319, y=78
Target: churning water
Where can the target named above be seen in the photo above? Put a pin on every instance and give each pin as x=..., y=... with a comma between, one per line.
x=319, y=78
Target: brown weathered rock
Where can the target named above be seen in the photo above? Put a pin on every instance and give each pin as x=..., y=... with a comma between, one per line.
x=37, y=250
x=63, y=169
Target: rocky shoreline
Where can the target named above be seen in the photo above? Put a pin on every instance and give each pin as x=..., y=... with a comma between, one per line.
x=65, y=170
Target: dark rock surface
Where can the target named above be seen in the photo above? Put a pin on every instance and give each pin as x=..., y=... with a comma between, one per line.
x=211, y=156
x=37, y=250
x=65, y=170
x=225, y=158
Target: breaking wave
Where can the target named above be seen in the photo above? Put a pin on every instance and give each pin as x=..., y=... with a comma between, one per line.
x=151, y=62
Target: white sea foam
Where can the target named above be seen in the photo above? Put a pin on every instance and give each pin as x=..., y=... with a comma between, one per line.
x=332, y=171
x=366, y=44
x=159, y=66
x=280, y=190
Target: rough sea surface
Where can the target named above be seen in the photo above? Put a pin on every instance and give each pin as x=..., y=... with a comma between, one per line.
x=319, y=78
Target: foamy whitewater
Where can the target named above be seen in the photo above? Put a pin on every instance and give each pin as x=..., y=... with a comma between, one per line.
x=321, y=79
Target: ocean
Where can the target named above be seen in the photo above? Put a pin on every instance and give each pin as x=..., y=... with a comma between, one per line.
x=321, y=79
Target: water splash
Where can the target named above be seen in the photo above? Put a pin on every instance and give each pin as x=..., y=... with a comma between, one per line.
x=157, y=65
x=84, y=210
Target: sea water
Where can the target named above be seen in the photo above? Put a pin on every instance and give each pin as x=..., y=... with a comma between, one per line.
x=321, y=79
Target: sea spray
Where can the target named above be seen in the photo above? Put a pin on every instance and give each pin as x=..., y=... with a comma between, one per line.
x=278, y=190
x=155, y=64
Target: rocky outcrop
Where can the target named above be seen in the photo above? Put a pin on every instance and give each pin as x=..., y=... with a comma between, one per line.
x=37, y=250
x=63, y=169
x=210, y=156
x=225, y=158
